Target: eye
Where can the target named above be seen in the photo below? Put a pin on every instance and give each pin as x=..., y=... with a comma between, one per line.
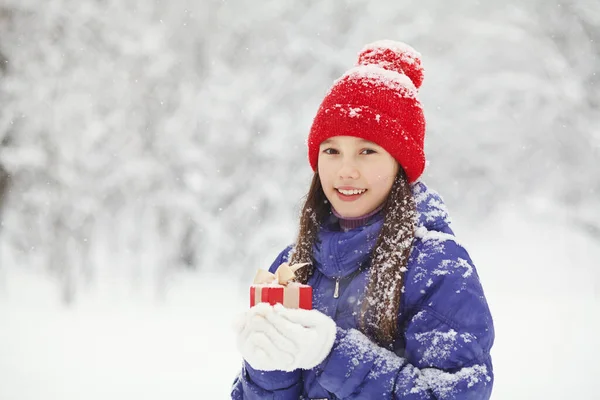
x=330, y=151
x=368, y=151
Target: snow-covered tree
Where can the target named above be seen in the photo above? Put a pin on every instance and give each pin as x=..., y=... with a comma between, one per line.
x=146, y=137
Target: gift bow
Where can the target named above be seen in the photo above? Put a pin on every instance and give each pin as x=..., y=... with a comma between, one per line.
x=283, y=275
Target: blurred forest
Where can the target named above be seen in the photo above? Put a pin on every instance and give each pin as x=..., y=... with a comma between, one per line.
x=142, y=138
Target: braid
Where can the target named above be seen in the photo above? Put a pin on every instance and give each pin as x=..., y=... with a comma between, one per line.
x=379, y=311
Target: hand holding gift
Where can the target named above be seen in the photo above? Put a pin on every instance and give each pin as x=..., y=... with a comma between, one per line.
x=278, y=338
x=262, y=347
x=281, y=288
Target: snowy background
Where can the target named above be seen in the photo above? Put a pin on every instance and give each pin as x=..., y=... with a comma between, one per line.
x=152, y=156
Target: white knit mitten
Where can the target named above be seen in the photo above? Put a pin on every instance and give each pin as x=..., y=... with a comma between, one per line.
x=259, y=342
x=277, y=338
x=311, y=332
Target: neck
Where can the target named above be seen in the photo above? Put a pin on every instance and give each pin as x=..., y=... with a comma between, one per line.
x=348, y=223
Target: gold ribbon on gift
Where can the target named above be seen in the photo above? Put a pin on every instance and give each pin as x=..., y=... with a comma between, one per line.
x=284, y=274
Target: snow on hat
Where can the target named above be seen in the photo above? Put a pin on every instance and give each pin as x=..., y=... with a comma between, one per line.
x=377, y=101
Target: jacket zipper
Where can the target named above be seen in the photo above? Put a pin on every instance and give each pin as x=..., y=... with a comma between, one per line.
x=336, y=291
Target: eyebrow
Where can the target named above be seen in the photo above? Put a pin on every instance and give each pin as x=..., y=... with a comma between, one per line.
x=367, y=141
x=327, y=141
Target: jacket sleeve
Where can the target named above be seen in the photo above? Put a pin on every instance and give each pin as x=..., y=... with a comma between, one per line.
x=252, y=384
x=447, y=340
x=277, y=385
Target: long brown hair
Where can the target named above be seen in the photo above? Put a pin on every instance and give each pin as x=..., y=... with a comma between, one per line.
x=379, y=309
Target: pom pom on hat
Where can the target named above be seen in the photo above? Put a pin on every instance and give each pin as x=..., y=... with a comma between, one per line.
x=377, y=101
x=394, y=56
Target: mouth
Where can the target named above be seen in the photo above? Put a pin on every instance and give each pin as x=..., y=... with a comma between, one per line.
x=349, y=194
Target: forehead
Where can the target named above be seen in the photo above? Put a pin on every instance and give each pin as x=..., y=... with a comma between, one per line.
x=351, y=140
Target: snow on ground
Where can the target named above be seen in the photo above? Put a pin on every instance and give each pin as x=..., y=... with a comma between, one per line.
x=108, y=348
x=541, y=281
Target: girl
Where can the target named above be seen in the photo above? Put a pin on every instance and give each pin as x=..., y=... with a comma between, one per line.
x=398, y=308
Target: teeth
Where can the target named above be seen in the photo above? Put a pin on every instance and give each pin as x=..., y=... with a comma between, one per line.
x=351, y=192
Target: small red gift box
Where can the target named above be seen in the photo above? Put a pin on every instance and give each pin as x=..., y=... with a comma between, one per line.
x=279, y=288
x=294, y=295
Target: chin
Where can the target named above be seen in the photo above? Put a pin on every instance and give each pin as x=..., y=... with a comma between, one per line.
x=350, y=214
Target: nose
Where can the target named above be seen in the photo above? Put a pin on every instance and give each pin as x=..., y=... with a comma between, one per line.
x=348, y=170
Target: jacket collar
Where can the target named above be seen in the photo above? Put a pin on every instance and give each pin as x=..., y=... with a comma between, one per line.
x=338, y=253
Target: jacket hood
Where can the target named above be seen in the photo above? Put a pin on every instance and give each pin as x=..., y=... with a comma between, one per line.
x=431, y=210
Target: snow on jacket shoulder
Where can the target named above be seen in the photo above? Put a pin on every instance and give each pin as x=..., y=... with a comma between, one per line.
x=445, y=326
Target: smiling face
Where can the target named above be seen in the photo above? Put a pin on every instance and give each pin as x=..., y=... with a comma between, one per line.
x=356, y=175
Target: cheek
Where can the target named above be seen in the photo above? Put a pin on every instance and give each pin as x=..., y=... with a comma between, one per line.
x=324, y=168
x=321, y=166
x=321, y=171
x=325, y=180
x=383, y=182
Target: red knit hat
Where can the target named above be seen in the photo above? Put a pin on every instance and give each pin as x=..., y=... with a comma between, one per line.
x=377, y=101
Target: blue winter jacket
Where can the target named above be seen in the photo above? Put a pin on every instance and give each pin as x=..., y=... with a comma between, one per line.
x=445, y=327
